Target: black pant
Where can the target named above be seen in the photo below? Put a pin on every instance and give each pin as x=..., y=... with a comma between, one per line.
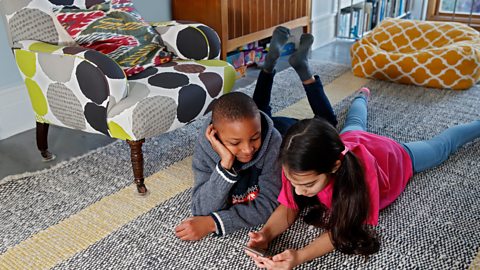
x=317, y=99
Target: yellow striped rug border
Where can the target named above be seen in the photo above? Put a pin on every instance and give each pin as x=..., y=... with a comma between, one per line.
x=475, y=265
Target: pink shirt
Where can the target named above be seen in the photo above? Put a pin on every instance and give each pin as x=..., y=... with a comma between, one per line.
x=387, y=167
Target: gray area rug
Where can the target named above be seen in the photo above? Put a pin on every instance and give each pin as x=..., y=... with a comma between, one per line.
x=433, y=225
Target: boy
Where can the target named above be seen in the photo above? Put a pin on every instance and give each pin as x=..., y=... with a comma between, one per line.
x=237, y=177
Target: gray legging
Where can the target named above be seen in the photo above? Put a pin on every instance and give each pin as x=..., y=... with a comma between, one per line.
x=424, y=154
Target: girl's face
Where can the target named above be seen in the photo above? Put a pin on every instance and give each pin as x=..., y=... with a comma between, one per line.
x=307, y=183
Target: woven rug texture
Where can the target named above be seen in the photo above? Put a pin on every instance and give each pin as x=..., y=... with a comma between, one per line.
x=434, y=224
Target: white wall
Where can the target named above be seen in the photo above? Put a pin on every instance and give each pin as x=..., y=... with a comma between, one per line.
x=154, y=10
x=323, y=21
x=8, y=70
x=16, y=114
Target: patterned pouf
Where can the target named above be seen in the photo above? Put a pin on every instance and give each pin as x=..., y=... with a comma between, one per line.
x=431, y=54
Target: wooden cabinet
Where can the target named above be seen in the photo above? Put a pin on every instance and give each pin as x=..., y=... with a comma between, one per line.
x=239, y=22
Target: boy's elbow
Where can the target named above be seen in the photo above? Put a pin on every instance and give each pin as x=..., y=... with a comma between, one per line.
x=200, y=210
x=197, y=210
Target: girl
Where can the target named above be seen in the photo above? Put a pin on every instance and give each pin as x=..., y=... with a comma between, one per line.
x=346, y=179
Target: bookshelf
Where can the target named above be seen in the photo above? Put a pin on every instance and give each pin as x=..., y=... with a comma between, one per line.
x=355, y=18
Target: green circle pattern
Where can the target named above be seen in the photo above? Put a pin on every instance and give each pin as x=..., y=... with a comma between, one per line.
x=229, y=78
x=228, y=72
x=116, y=131
x=43, y=47
x=212, y=63
x=26, y=62
x=39, y=102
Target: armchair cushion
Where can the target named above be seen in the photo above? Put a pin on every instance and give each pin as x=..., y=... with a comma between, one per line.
x=117, y=31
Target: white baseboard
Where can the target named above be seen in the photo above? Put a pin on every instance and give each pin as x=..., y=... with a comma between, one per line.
x=323, y=29
x=16, y=113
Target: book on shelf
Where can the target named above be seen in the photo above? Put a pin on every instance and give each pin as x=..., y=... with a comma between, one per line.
x=351, y=22
x=399, y=8
x=368, y=17
x=374, y=13
x=381, y=11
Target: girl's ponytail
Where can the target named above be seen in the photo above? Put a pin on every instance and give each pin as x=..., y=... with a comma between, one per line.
x=350, y=209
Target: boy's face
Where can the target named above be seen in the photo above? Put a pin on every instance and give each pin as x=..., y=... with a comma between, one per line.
x=241, y=137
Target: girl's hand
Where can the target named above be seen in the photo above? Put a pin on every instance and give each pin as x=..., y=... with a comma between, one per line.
x=195, y=228
x=286, y=260
x=226, y=157
x=258, y=260
x=258, y=239
x=283, y=261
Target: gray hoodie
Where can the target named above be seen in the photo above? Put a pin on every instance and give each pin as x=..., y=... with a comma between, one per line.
x=240, y=200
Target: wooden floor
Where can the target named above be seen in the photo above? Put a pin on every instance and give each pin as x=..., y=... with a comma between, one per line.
x=19, y=153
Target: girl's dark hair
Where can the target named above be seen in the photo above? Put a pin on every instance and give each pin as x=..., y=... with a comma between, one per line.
x=314, y=145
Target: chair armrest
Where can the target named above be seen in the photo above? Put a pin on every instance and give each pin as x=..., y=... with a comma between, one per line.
x=189, y=40
x=70, y=86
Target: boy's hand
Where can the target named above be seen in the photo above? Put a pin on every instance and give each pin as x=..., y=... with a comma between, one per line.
x=195, y=228
x=226, y=157
x=283, y=261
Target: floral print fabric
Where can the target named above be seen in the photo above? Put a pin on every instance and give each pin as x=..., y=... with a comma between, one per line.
x=114, y=28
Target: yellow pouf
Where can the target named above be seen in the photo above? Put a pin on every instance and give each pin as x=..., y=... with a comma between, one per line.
x=431, y=54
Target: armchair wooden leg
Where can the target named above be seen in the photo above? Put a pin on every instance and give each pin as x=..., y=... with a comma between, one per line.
x=42, y=141
x=137, y=164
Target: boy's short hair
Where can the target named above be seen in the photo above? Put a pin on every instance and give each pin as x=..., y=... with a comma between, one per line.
x=234, y=106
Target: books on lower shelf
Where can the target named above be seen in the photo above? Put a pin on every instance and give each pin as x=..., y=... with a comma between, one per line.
x=362, y=16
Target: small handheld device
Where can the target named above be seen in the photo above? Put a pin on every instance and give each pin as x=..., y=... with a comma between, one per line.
x=258, y=251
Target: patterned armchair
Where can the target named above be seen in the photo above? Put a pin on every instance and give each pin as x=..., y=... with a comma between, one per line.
x=80, y=88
